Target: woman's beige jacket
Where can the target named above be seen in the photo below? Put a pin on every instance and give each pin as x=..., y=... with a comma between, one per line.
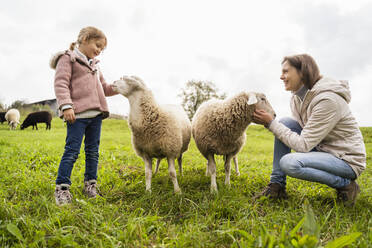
x=327, y=123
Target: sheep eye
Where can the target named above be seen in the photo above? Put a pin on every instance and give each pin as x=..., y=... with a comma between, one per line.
x=263, y=99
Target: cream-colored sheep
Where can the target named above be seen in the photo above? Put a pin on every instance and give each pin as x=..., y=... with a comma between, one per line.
x=158, y=131
x=12, y=116
x=219, y=126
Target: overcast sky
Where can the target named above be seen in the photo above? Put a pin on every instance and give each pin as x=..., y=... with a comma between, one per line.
x=237, y=45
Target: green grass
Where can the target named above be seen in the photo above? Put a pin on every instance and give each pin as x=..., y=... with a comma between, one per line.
x=127, y=216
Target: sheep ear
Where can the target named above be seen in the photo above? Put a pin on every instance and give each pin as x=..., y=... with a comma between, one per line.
x=125, y=78
x=252, y=99
x=137, y=78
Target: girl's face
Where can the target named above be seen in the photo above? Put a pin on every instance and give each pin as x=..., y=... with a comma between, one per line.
x=92, y=48
x=291, y=77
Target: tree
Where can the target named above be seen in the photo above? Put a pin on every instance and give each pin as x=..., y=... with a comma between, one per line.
x=17, y=104
x=197, y=92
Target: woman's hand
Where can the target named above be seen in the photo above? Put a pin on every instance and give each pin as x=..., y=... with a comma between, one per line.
x=262, y=117
x=69, y=115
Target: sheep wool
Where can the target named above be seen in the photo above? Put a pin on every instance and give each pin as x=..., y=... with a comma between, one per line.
x=219, y=126
x=12, y=116
x=158, y=131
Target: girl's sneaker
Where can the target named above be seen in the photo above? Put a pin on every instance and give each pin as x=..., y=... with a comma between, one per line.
x=62, y=194
x=90, y=188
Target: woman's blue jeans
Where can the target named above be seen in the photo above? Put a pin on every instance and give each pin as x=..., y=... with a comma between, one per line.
x=311, y=166
x=91, y=128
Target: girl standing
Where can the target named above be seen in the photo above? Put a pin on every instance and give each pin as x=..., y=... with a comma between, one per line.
x=80, y=91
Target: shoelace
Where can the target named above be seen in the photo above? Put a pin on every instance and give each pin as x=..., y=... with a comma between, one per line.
x=64, y=194
x=91, y=187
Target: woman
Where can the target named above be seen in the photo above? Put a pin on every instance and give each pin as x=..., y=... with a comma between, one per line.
x=325, y=135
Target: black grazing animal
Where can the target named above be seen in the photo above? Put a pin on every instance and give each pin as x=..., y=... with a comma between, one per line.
x=37, y=117
x=2, y=117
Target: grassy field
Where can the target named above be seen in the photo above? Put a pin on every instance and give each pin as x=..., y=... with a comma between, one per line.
x=126, y=216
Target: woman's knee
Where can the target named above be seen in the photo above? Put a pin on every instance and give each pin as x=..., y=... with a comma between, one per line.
x=289, y=164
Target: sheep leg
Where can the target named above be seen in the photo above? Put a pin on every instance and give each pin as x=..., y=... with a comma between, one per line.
x=207, y=170
x=235, y=159
x=227, y=169
x=212, y=172
x=157, y=166
x=173, y=175
x=36, y=126
x=179, y=161
x=148, y=172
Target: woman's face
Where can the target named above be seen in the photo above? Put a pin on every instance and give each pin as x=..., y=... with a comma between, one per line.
x=291, y=77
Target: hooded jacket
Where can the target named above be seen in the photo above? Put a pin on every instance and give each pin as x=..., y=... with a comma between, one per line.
x=327, y=123
x=79, y=84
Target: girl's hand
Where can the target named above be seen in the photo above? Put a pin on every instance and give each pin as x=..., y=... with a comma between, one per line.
x=262, y=117
x=69, y=115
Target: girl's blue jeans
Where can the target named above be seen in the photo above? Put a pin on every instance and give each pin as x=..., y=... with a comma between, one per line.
x=311, y=166
x=91, y=128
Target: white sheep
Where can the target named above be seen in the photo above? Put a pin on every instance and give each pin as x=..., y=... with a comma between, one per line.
x=158, y=131
x=12, y=116
x=219, y=126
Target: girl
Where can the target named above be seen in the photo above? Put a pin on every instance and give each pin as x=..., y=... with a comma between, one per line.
x=325, y=135
x=80, y=91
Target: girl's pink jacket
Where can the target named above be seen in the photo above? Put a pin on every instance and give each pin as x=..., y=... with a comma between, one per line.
x=79, y=84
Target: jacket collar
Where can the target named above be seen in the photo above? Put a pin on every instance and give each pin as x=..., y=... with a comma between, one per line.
x=83, y=57
x=339, y=87
x=301, y=92
x=73, y=57
x=77, y=55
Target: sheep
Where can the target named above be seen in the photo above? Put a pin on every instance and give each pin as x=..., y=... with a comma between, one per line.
x=218, y=127
x=2, y=117
x=158, y=131
x=37, y=117
x=12, y=116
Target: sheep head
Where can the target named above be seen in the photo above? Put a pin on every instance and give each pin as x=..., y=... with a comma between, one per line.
x=128, y=84
x=13, y=124
x=260, y=101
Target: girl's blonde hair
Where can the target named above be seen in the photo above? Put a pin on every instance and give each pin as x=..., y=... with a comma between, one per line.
x=89, y=33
